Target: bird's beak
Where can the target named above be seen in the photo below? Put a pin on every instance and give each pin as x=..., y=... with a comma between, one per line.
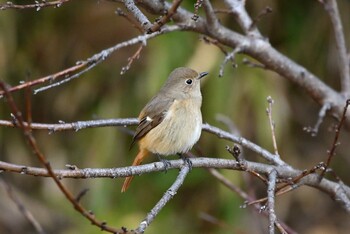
x=202, y=74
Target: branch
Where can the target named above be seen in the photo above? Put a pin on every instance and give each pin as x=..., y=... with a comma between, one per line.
x=271, y=187
x=26, y=213
x=89, y=63
x=140, y=17
x=321, y=116
x=237, y=7
x=37, y=5
x=261, y=50
x=33, y=145
x=169, y=194
x=336, y=190
x=166, y=18
x=76, y=126
x=331, y=7
x=331, y=153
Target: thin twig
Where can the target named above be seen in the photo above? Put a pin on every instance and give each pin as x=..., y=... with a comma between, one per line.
x=197, y=5
x=237, y=7
x=212, y=20
x=166, y=18
x=249, y=63
x=37, y=5
x=321, y=116
x=92, y=61
x=335, y=143
x=21, y=207
x=169, y=194
x=267, y=10
x=131, y=59
x=331, y=7
x=270, y=102
x=130, y=20
x=32, y=142
x=229, y=56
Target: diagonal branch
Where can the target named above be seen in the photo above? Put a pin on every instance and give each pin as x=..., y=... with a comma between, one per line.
x=169, y=194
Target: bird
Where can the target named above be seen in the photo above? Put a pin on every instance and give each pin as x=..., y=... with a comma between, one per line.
x=171, y=122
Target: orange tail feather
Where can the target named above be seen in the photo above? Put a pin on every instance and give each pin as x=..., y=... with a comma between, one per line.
x=137, y=161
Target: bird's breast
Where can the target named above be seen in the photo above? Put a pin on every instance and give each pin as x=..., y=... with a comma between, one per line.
x=179, y=130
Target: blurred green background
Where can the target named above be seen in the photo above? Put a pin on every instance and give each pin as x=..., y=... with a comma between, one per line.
x=35, y=44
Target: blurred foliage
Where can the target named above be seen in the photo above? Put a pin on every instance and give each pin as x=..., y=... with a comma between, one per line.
x=34, y=44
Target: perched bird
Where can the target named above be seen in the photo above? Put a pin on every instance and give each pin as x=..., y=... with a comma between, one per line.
x=171, y=122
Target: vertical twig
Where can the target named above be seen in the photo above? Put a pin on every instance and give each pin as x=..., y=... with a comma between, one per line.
x=270, y=102
x=271, y=187
x=335, y=143
x=331, y=7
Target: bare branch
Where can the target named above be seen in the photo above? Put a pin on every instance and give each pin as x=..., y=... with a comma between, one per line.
x=325, y=185
x=270, y=102
x=37, y=5
x=133, y=121
x=331, y=7
x=89, y=63
x=140, y=17
x=156, y=27
x=21, y=207
x=32, y=142
x=263, y=13
x=212, y=20
x=130, y=19
x=331, y=153
x=271, y=187
x=247, y=24
x=230, y=56
x=169, y=194
x=321, y=116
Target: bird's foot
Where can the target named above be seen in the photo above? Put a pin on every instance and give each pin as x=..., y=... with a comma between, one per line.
x=165, y=162
x=186, y=160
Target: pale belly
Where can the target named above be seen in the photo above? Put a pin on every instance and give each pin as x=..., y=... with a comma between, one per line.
x=178, y=132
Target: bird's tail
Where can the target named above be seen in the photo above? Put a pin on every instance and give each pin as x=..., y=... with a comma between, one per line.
x=137, y=161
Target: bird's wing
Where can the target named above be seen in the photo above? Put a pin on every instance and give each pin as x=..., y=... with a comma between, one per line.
x=151, y=116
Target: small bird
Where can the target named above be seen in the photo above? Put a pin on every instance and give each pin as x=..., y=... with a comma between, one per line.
x=171, y=122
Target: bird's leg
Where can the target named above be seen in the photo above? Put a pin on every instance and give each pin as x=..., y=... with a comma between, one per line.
x=165, y=162
x=186, y=160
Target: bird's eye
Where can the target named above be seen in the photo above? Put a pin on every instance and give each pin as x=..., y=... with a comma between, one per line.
x=189, y=81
